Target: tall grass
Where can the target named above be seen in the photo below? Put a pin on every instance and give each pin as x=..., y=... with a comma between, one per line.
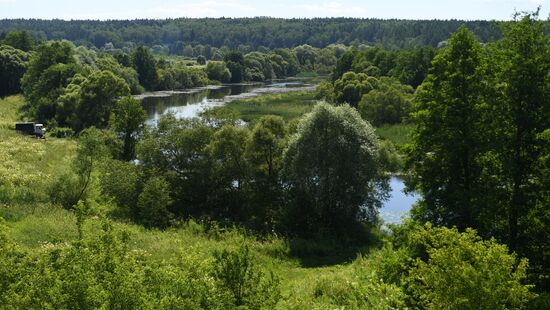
x=398, y=134
x=287, y=105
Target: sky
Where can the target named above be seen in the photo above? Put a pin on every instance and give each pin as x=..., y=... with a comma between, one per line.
x=402, y=9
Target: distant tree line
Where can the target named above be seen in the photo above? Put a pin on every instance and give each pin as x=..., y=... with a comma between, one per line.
x=143, y=69
x=184, y=36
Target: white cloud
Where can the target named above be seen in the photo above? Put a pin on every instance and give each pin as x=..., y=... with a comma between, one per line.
x=7, y=1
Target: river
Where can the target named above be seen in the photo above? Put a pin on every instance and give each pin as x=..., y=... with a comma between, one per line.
x=189, y=103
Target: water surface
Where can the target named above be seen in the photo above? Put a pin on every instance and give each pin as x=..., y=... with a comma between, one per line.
x=399, y=205
x=190, y=103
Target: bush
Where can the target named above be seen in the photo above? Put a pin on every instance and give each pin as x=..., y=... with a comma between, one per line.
x=153, y=203
x=61, y=132
x=119, y=180
x=364, y=291
x=454, y=270
x=66, y=190
x=100, y=272
x=236, y=272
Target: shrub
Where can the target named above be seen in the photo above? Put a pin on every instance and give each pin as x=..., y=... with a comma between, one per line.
x=61, y=132
x=236, y=272
x=153, y=203
x=454, y=270
x=66, y=190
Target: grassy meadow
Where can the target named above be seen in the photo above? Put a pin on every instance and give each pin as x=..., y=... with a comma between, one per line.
x=316, y=275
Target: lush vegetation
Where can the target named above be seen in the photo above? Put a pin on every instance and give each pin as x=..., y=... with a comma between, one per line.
x=279, y=211
x=289, y=106
x=194, y=37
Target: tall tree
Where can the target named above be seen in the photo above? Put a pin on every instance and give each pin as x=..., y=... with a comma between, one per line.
x=12, y=67
x=331, y=169
x=49, y=70
x=521, y=116
x=446, y=140
x=97, y=98
x=146, y=67
x=20, y=40
x=128, y=121
x=235, y=63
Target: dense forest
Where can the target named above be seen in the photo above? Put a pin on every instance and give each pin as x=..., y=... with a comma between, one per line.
x=280, y=210
x=250, y=34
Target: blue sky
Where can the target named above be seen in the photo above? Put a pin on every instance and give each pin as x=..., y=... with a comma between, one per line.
x=130, y=9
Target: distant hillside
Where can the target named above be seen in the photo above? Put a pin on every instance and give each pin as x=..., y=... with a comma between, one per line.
x=251, y=33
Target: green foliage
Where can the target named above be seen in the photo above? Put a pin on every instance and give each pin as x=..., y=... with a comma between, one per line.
x=61, y=132
x=76, y=184
x=20, y=40
x=97, y=97
x=234, y=61
x=109, y=63
x=264, y=153
x=325, y=91
x=218, y=71
x=209, y=35
x=230, y=170
x=179, y=76
x=128, y=121
x=146, y=67
x=389, y=103
x=267, y=144
x=286, y=105
x=523, y=104
x=248, y=285
x=352, y=86
x=390, y=159
x=332, y=170
x=49, y=71
x=477, y=149
x=177, y=149
x=201, y=60
x=362, y=291
x=447, y=139
x=411, y=67
x=121, y=182
x=153, y=203
x=398, y=134
x=12, y=67
x=461, y=271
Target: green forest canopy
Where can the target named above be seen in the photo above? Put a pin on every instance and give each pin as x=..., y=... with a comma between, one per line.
x=250, y=33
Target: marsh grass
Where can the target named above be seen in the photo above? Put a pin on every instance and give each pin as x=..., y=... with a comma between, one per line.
x=398, y=134
x=287, y=105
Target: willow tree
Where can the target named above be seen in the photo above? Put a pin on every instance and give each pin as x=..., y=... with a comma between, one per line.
x=332, y=173
x=447, y=138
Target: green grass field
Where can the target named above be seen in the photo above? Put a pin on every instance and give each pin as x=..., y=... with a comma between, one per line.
x=288, y=105
x=29, y=165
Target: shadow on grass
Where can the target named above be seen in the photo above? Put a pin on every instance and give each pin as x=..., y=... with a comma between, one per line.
x=329, y=252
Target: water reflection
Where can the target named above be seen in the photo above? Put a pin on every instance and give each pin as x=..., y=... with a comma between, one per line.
x=190, y=103
x=399, y=205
